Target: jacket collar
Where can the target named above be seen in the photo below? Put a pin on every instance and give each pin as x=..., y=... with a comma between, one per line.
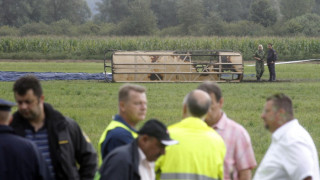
x=6, y=129
x=117, y=117
x=54, y=119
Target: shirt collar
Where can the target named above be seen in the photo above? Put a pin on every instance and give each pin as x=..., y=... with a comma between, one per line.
x=283, y=129
x=142, y=156
x=221, y=124
x=117, y=117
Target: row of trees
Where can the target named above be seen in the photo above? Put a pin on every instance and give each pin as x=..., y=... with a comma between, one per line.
x=165, y=17
x=19, y=12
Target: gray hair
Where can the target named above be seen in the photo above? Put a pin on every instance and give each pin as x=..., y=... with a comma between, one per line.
x=260, y=45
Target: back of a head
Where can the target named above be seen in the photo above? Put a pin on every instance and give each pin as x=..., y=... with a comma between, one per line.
x=5, y=111
x=25, y=83
x=4, y=117
x=126, y=88
x=282, y=101
x=211, y=88
x=198, y=103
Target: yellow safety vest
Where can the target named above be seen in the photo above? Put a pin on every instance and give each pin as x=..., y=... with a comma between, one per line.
x=199, y=154
x=113, y=124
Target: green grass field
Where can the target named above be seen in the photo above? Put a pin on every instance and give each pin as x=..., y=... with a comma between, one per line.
x=93, y=103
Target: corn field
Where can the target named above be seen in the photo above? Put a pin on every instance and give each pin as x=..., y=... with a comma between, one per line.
x=288, y=48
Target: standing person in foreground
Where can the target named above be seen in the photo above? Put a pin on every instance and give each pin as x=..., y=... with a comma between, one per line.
x=121, y=130
x=19, y=157
x=201, y=150
x=60, y=140
x=259, y=56
x=239, y=160
x=271, y=61
x=292, y=153
x=135, y=161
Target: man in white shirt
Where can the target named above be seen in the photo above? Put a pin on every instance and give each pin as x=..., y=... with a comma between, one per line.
x=135, y=161
x=292, y=154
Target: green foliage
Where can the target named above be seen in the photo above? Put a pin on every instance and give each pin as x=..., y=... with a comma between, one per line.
x=19, y=12
x=230, y=10
x=166, y=12
x=263, y=13
x=107, y=29
x=190, y=15
x=62, y=27
x=95, y=47
x=35, y=29
x=293, y=8
x=8, y=31
x=243, y=28
x=112, y=11
x=308, y=24
x=76, y=11
x=141, y=21
x=214, y=25
x=170, y=31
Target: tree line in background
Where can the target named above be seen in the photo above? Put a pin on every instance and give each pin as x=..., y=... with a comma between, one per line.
x=161, y=17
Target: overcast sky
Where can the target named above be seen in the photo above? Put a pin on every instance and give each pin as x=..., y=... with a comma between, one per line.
x=92, y=6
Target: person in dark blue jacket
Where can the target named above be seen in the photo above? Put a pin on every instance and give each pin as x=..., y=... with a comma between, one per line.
x=135, y=161
x=19, y=157
x=271, y=61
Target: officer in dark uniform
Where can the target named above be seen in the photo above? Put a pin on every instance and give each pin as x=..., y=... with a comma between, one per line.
x=271, y=60
x=19, y=157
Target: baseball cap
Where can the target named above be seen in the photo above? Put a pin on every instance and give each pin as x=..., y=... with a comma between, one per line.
x=6, y=105
x=155, y=128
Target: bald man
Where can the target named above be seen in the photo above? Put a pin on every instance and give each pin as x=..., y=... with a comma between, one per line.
x=201, y=150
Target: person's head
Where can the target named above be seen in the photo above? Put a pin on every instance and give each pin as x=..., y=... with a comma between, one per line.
x=277, y=111
x=5, y=111
x=153, y=138
x=260, y=47
x=132, y=103
x=29, y=97
x=215, y=111
x=269, y=46
x=196, y=104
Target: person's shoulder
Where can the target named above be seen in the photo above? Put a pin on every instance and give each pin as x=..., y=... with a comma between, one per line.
x=120, y=153
x=238, y=129
x=22, y=144
x=119, y=131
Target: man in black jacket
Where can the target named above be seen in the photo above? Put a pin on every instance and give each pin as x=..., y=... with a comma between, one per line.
x=19, y=157
x=135, y=161
x=271, y=60
x=60, y=139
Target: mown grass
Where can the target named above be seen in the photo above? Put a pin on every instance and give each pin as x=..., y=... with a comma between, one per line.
x=93, y=103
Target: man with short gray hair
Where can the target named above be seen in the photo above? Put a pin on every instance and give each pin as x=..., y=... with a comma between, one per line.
x=200, y=152
x=292, y=153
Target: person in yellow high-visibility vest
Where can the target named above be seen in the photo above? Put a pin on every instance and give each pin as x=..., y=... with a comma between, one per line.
x=201, y=150
x=121, y=130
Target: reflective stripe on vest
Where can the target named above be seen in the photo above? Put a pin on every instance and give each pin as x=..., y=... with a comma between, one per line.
x=185, y=176
x=113, y=124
